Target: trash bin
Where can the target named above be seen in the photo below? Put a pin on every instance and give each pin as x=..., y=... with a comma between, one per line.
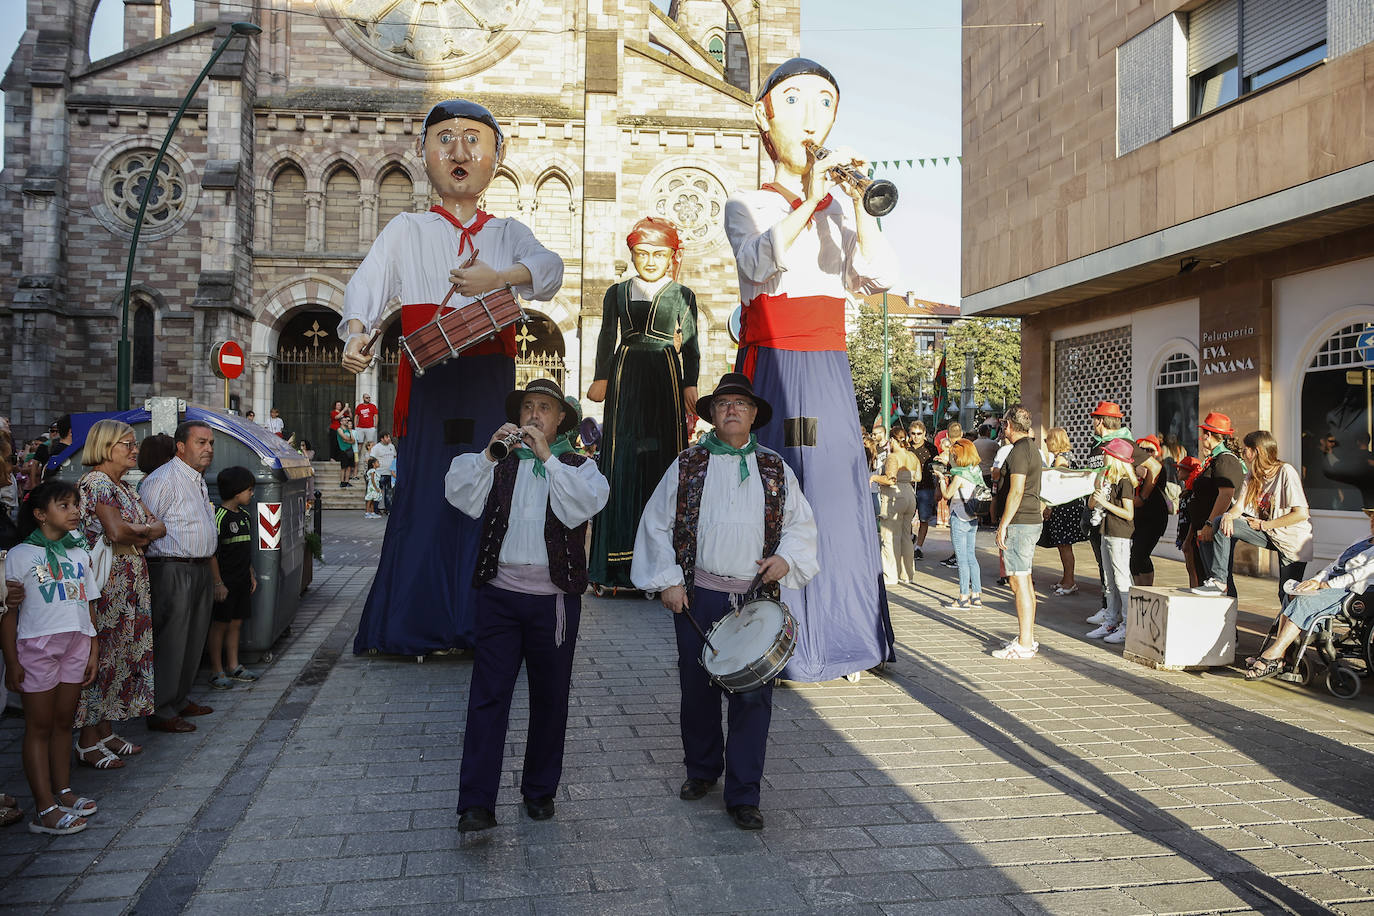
x=284, y=480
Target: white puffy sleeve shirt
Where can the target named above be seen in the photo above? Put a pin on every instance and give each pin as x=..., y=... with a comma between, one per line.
x=574, y=493
x=729, y=529
x=411, y=258
x=825, y=259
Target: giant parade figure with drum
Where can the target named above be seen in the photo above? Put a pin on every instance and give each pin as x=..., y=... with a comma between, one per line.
x=440, y=267
x=646, y=371
x=801, y=243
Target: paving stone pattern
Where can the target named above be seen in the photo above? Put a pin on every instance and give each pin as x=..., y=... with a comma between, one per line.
x=956, y=783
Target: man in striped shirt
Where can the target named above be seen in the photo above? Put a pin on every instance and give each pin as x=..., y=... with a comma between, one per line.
x=179, y=566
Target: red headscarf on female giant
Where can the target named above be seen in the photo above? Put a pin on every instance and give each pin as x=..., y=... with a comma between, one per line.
x=659, y=232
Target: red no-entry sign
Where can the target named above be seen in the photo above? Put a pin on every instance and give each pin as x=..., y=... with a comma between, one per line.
x=227, y=358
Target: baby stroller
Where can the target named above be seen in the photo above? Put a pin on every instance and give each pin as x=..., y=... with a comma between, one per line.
x=1342, y=643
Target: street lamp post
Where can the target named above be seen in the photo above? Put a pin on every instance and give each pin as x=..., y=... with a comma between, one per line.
x=122, y=380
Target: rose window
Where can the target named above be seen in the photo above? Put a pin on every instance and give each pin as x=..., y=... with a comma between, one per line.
x=694, y=200
x=126, y=180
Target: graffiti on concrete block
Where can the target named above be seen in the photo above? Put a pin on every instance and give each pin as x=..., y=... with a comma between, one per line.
x=1147, y=620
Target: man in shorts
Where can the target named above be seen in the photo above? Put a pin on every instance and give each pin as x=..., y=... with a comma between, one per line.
x=365, y=427
x=920, y=446
x=1019, y=529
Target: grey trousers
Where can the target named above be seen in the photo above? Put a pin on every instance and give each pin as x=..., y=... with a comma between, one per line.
x=182, y=595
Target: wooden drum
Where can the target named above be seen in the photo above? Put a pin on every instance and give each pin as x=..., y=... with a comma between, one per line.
x=451, y=333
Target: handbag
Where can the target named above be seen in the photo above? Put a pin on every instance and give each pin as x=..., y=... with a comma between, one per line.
x=102, y=559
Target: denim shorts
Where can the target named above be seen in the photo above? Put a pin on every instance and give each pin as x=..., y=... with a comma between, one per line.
x=1020, y=553
x=925, y=506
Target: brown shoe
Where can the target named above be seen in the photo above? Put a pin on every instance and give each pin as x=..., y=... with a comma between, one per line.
x=175, y=724
x=195, y=709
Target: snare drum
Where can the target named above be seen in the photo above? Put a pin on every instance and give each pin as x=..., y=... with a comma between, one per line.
x=753, y=644
x=452, y=332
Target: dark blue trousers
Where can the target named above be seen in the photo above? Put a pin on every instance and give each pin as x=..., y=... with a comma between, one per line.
x=511, y=628
x=706, y=750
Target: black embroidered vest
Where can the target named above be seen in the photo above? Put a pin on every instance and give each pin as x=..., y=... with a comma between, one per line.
x=567, y=546
x=692, y=465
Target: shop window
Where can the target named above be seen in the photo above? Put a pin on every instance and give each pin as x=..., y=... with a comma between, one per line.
x=1337, y=389
x=1176, y=394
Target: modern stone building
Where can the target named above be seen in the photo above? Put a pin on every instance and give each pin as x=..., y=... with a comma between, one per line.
x=300, y=146
x=1177, y=198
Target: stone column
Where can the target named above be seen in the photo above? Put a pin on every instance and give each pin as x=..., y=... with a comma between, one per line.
x=262, y=386
x=314, y=220
x=367, y=221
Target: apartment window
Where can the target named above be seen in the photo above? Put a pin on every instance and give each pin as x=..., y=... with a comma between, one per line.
x=1238, y=46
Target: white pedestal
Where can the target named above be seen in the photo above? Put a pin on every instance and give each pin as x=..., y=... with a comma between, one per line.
x=1171, y=628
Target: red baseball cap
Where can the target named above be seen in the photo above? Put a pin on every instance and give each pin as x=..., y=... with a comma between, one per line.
x=1108, y=409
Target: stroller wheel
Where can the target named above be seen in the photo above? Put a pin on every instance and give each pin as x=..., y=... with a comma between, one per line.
x=1342, y=682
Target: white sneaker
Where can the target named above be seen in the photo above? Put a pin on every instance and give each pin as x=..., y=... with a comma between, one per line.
x=1101, y=631
x=1117, y=635
x=1099, y=617
x=1211, y=588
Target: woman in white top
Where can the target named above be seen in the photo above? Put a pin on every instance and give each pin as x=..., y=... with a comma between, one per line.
x=1270, y=511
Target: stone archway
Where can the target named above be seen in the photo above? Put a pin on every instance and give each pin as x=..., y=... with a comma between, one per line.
x=539, y=350
x=307, y=377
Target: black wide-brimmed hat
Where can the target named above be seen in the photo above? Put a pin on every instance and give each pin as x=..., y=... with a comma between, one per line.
x=735, y=383
x=547, y=387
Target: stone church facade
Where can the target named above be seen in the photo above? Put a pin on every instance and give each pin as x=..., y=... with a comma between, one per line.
x=300, y=147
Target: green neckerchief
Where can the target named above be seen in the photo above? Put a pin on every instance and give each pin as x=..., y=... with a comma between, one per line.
x=1219, y=448
x=1123, y=432
x=972, y=473
x=55, y=549
x=559, y=446
x=713, y=445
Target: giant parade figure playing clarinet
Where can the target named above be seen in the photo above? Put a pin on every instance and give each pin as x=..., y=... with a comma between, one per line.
x=422, y=598
x=798, y=249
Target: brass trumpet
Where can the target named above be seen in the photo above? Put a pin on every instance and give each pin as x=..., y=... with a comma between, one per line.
x=501, y=447
x=879, y=194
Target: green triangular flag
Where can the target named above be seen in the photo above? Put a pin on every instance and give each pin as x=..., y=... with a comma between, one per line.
x=946, y=160
x=896, y=163
x=908, y=163
x=961, y=159
x=923, y=162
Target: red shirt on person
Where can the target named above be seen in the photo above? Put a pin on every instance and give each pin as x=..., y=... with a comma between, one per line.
x=366, y=415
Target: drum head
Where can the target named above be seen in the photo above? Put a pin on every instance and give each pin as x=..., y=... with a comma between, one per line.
x=744, y=638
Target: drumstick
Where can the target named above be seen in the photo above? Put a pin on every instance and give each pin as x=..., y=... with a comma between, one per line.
x=686, y=612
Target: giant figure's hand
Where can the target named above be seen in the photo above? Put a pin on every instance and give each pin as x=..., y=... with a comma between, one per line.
x=597, y=392
x=476, y=279
x=689, y=397
x=354, y=359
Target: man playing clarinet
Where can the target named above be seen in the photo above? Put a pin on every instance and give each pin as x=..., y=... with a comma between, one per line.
x=800, y=245
x=422, y=598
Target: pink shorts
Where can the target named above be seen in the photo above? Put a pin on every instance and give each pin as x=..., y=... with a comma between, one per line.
x=58, y=658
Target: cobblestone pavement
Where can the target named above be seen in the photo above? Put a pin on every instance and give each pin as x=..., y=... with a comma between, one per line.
x=1073, y=783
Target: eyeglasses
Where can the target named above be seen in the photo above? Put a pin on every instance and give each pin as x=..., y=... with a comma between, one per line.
x=130, y=444
x=735, y=404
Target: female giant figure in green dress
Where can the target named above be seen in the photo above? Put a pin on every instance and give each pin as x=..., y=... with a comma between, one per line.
x=646, y=372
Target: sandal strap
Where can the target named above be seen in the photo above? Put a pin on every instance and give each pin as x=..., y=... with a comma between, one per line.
x=46, y=811
x=107, y=759
x=126, y=745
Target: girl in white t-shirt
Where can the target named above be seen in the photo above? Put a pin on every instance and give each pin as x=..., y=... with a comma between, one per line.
x=50, y=647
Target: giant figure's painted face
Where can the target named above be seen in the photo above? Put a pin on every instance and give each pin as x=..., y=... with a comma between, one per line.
x=652, y=262
x=460, y=158
x=799, y=108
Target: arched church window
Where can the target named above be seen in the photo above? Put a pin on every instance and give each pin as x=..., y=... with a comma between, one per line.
x=716, y=48
x=341, y=194
x=288, y=210
x=395, y=194
x=503, y=197
x=1176, y=395
x=143, y=341
x=1337, y=388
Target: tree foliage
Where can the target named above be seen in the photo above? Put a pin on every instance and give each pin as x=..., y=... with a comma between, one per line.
x=994, y=342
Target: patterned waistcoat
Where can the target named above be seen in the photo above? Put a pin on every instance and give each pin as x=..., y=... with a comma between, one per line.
x=691, y=481
x=566, y=546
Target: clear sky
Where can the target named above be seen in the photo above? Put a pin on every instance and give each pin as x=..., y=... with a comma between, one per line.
x=898, y=66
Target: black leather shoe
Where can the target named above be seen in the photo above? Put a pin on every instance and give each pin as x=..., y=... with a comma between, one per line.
x=539, y=809
x=746, y=817
x=475, y=819
x=694, y=789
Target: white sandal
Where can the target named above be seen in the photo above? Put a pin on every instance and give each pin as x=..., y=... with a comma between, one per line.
x=84, y=807
x=67, y=823
x=127, y=748
x=107, y=761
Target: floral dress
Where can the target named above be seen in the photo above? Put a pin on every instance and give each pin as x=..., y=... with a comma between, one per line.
x=123, y=686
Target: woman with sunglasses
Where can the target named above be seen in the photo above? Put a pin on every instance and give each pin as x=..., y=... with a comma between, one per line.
x=111, y=509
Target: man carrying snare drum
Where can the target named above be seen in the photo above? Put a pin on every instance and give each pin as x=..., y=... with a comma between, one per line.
x=726, y=511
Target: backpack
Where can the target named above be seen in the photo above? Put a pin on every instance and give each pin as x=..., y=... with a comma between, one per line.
x=980, y=502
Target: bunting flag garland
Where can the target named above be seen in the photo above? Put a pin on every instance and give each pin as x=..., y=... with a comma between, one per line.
x=896, y=164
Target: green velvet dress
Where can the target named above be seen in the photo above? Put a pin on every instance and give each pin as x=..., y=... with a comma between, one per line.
x=645, y=425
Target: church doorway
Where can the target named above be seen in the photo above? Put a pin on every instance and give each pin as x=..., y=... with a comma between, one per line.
x=308, y=377
x=539, y=350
